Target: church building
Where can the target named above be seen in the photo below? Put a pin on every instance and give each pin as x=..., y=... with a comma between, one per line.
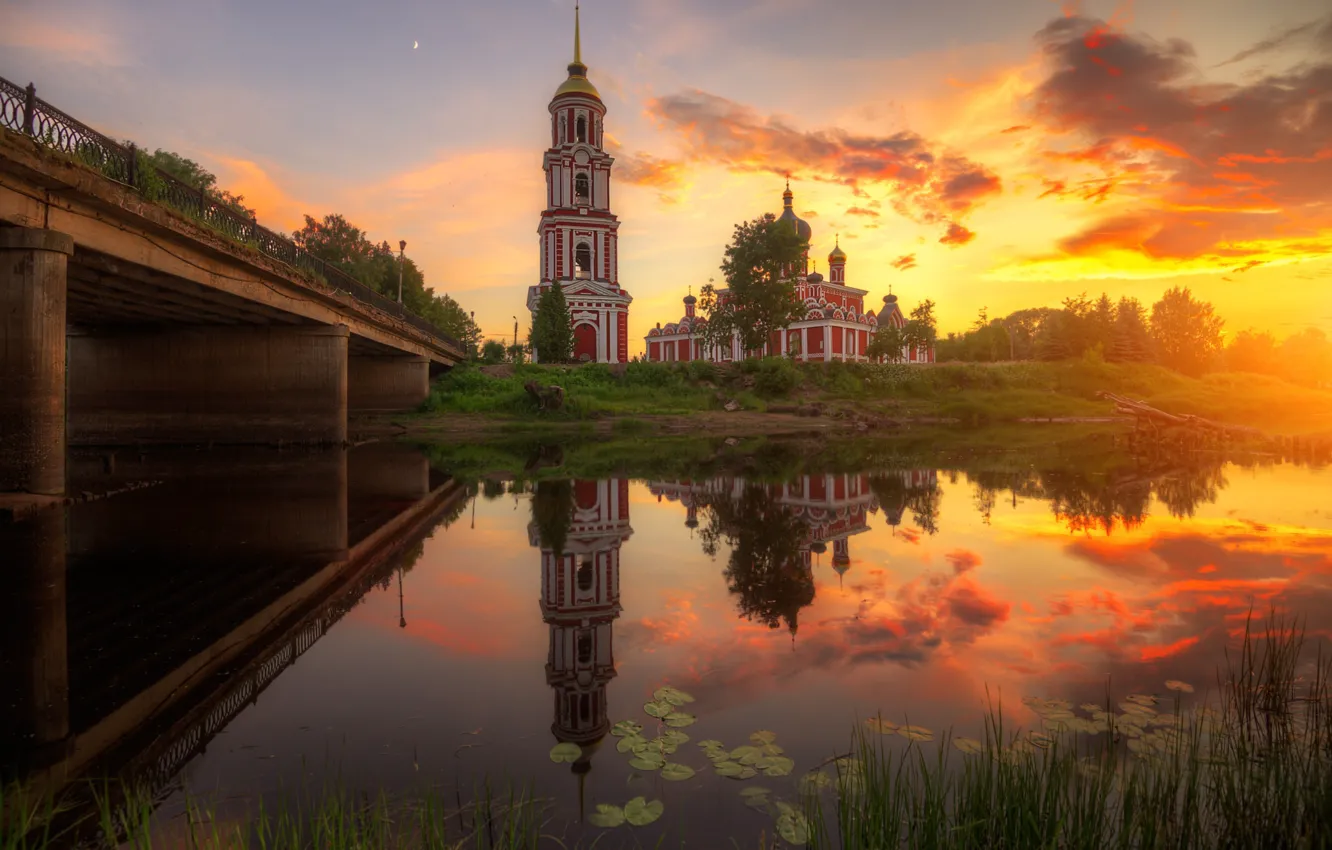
x=836, y=325
x=578, y=232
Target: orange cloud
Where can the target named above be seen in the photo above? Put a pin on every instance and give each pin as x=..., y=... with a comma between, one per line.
x=924, y=182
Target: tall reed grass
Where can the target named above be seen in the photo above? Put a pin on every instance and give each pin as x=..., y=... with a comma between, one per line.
x=1252, y=770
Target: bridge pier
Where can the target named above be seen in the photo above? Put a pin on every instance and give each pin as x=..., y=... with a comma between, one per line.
x=34, y=718
x=32, y=359
x=388, y=383
x=208, y=384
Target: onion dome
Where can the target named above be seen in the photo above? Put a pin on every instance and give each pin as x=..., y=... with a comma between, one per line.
x=802, y=228
x=890, y=299
x=837, y=255
x=814, y=277
x=578, y=83
x=690, y=299
x=818, y=547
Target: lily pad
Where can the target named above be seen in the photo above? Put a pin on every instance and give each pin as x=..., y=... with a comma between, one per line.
x=728, y=768
x=711, y=744
x=680, y=718
x=970, y=746
x=647, y=761
x=755, y=791
x=745, y=773
x=1177, y=685
x=627, y=745
x=640, y=812
x=813, y=783
x=916, y=733
x=1141, y=699
x=674, y=736
x=565, y=753
x=1042, y=741
x=658, y=709
x=779, y=766
x=607, y=816
x=676, y=772
x=763, y=736
x=674, y=696
x=881, y=726
x=793, y=828
x=741, y=753
x=626, y=728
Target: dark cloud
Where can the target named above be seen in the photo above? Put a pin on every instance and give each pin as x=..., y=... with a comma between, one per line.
x=1016, y=128
x=963, y=560
x=923, y=181
x=861, y=211
x=1206, y=155
x=904, y=262
x=956, y=235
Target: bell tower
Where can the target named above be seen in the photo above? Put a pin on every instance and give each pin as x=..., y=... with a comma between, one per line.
x=578, y=233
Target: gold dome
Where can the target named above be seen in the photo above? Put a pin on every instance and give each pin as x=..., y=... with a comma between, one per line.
x=837, y=253
x=578, y=83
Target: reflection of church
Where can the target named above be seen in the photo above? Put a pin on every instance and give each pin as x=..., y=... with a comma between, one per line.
x=832, y=508
x=580, y=600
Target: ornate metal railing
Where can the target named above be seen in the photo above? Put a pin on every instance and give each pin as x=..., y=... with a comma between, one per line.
x=22, y=111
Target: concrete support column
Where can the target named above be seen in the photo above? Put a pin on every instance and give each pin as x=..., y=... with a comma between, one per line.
x=387, y=383
x=804, y=344
x=827, y=343
x=32, y=359
x=34, y=716
x=614, y=336
x=193, y=385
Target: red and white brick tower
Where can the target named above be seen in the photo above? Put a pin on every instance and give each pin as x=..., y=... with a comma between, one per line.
x=578, y=231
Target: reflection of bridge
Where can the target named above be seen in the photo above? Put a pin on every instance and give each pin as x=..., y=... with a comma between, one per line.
x=133, y=641
x=180, y=322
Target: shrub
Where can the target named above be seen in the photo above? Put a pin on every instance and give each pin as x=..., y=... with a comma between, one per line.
x=775, y=376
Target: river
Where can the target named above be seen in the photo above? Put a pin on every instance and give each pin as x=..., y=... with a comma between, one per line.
x=248, y=627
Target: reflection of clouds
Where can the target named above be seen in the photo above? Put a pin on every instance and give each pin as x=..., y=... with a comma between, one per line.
x=675, y=623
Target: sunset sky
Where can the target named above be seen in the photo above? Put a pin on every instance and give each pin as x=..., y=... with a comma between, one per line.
x=979, y=153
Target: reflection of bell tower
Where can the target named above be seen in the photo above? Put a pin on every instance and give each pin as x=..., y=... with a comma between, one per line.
x=580, y=599
x=841, y=560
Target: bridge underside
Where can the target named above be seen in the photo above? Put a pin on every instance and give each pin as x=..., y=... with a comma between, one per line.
x=123, y=323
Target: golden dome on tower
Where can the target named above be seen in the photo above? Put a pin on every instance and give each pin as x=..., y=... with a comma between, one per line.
x=578, y=83
x=837, y=253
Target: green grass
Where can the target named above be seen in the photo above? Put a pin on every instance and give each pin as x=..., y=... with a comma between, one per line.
x=1253, y=772
x=973, y=393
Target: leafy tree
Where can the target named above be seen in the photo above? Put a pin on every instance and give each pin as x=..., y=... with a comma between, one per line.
x=517, y=352
x=492, y=352
x=888, y=343
x=766, y=567
x=1131, y=341
x=1306, y=358
x=1186, y=332
x=192, y=173
x=1251, y=351
x=922, y=329
x=551, y=336
x=1101, y=318
x=341, y=244
x=552, y=513
x=760, y=296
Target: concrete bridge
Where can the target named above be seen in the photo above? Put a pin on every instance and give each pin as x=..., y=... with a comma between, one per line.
x=135, y=309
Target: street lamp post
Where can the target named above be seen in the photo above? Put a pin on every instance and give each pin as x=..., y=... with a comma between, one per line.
x=402, y=251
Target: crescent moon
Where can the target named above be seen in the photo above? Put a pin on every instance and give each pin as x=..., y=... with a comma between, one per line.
x=415, y=45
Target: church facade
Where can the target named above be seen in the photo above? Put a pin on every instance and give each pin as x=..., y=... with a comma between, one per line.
x=577, y=231
x=836, y=325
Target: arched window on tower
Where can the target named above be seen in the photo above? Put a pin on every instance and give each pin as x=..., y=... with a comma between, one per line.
x=584, y=648
x=582, y=189
x=583, y=261
x=585, y=575
x=580, y=127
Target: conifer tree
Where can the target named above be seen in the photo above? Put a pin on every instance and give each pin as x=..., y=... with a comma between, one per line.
x=1131, y=342
x=552, y=327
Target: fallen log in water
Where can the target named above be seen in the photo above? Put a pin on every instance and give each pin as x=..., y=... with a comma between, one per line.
x=1141, y=411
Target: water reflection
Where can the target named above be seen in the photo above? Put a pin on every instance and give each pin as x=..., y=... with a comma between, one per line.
x=792, y=600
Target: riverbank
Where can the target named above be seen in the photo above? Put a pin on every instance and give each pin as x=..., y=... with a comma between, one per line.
x=777, y=396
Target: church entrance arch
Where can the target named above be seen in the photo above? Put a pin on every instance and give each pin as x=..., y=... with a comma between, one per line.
x=585, y=341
